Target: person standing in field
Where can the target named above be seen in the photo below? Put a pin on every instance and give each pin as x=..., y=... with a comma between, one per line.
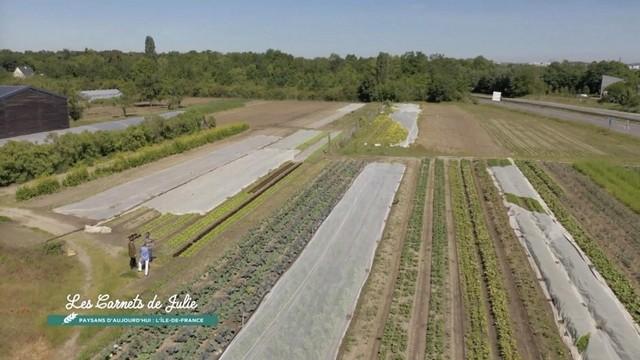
x=144, y=259
x=132, y=252
x=150, y=243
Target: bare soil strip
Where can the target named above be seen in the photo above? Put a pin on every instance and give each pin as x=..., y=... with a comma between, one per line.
x=455, y=319
x=449, y=130
x=417, y=334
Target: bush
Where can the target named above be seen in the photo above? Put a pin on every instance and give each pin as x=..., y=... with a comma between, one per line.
x=583, y=342
x=76, y=177
x=53, y=248
x=622, y=93
x=41, y=187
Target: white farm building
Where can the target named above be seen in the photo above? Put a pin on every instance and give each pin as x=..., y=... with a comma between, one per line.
x=22, y=72
x=93, y=95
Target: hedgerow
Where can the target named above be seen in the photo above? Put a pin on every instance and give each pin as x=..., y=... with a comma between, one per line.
x=21, y=161
x=76, y=177
x=47, y=185
x=137, y=158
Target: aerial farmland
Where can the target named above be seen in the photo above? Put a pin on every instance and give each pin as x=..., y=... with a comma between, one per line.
x=352, y=198
x=353, y=231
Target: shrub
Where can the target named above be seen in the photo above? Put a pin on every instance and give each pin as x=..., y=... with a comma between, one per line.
x=583, y=342
x=40, y=187
x=76, y=177
x=53, y=248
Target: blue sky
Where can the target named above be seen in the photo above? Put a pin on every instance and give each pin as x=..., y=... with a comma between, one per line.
x=513, y=30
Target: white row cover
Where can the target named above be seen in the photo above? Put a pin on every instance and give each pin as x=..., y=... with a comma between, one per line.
x=337, y=115
x=583, y=300
x=306, y=314
x=407, y=116
x=130, y=194
x=198, y=185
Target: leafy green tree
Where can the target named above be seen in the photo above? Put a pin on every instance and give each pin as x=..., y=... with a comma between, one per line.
x=75, y=108
x=149, y=46
x=127, y=98
x=147, y=79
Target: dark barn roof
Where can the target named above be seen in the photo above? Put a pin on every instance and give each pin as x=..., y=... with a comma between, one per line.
x=7, y=91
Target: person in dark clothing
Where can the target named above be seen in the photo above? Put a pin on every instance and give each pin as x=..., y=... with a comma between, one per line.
x=132, y=252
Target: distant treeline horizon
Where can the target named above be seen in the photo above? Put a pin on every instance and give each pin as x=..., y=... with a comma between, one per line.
x=412, y=76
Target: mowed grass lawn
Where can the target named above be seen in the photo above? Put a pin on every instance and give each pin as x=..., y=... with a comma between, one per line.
x=532, y=136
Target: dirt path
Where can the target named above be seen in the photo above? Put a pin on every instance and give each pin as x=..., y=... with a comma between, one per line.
x=455, y=320
x=362, y=339
x=29, y=218
x=517, y=312
x=417, y=335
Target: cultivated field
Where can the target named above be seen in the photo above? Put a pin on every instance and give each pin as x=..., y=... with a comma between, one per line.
x=313, y=235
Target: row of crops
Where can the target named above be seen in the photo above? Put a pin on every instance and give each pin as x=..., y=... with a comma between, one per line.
x=476, y=252
x=621, y=182
x=544, y=330
x=394, y=339
x=494, y=281
x=234, y=285
x=439, y=269
x=476, y=334
x=615, y=278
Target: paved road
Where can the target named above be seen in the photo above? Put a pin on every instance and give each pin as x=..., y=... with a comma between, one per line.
x=106, y=126
x=596, y=117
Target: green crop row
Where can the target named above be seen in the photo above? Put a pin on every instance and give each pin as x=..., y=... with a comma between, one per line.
x=157, y=222
x=621, y=182
x=524, y=202
x=212, y=216
x=494, y=280
x=394, y=339
x=476, y=334
x=615, y=278
x=164, y=230
x=235, y=217
x=546, y=334
x=435, y=344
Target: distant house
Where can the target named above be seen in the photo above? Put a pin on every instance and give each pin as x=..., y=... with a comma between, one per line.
x=27, y=110
x=22, y=72
x=634, y=66
x=93, y=95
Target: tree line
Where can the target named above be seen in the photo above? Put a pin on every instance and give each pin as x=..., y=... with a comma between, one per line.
x=147, y=76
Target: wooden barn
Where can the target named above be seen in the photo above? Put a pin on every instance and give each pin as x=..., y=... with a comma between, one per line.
x=27, y=110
